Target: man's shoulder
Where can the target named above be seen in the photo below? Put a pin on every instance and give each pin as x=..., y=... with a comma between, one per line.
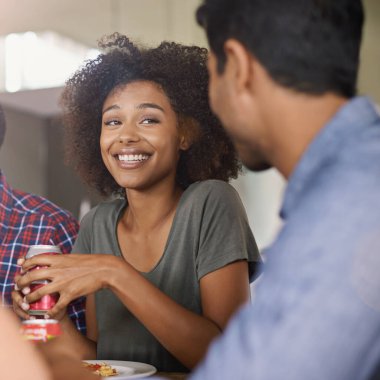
x=33, y=204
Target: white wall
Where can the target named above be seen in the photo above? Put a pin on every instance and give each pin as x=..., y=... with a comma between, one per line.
x=261, y=194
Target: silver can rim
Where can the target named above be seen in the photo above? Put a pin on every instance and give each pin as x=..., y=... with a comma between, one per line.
x=34, y=250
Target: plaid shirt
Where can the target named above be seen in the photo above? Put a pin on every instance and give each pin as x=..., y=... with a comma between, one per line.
x=25, y=220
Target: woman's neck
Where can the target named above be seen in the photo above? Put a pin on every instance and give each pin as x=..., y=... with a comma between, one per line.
x=148, y=210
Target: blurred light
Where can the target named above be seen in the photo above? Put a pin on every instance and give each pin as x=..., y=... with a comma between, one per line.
x=41, y=60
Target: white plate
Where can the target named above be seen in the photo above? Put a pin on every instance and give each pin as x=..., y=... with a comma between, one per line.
x=126, y=370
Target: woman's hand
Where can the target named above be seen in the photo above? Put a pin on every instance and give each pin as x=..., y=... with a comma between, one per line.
x=71, y=276
x=20, y=306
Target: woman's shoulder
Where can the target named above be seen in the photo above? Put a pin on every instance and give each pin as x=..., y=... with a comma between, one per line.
x=212, y=189
x=103, y=209
x=210, y=197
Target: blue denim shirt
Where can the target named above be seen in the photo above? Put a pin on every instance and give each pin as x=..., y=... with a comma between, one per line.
x=316, y=314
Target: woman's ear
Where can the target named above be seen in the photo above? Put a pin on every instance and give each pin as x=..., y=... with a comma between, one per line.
x=189, y=132
x=184, y=143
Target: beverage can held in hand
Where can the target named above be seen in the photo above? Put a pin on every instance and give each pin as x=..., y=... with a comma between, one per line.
x=41, y=306
x=40, y=329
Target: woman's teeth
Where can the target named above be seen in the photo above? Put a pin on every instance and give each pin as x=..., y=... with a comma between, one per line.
x=132, y=157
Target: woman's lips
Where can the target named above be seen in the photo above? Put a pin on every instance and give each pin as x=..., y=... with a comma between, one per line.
x=131, y=161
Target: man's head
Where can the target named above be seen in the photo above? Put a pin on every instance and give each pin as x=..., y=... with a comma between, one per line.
x=2, y=126
x=308, y=47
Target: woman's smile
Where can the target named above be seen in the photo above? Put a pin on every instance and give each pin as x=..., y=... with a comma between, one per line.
x=140, y=141
x=131, y=161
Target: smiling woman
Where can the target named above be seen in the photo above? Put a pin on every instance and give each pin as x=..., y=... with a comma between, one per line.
x=165, y=265
x=140, y=142
x=180, y=72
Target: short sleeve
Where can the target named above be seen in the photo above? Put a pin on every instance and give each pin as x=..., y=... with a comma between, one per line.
x=225, y=234
x=83, y=241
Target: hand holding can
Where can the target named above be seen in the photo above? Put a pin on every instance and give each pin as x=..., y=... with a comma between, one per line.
x=41, y=306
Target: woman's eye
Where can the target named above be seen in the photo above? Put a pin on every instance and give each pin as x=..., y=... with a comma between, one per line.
x=149, y=120
x=112, y=122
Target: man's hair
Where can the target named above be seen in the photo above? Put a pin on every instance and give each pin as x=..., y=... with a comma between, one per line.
x=2, y=126
x=311, y=46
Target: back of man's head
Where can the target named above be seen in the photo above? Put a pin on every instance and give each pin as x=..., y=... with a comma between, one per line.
x=2, y=126
x=311, y=46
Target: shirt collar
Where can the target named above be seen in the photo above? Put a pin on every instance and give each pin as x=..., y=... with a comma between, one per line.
x=347, y=122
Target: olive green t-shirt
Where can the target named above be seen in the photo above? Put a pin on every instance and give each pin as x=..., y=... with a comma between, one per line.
x=210, y=230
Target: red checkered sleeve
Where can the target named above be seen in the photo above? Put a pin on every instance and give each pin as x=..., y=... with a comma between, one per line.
x=25, y=220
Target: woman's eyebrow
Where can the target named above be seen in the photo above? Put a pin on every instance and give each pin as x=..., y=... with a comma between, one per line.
x=113, y=107
x=150, y=105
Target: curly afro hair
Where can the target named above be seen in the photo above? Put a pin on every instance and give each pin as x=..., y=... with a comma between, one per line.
x=181, y=72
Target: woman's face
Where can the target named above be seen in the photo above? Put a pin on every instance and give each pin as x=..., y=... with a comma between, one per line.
x=139, y=140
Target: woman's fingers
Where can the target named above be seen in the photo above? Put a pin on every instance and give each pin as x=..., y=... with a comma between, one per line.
x=71, y=276
x=20, y=306
x=20, y=261
x=39, y=260
x=61, y=261
x=58, y=311
x=26, y=279
x=41, y=291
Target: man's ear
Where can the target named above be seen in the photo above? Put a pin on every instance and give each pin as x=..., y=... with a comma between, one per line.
x=239, y=64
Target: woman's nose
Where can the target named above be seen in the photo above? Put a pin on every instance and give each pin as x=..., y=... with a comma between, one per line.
x=128, y=134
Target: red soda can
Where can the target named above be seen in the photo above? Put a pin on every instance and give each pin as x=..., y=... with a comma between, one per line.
x=40, y=329
x=41, y=306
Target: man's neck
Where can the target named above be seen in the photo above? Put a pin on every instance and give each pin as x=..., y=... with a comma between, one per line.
x=294, y=125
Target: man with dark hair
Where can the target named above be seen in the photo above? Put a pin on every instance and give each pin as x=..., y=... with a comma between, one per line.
x=283, y=82
x=25, y=220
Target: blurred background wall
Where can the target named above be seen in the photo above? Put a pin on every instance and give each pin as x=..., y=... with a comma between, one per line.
x=32, y=155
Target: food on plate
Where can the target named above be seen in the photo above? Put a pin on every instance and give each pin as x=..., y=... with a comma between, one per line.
x=101, y=369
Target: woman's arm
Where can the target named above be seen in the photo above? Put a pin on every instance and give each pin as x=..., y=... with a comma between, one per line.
x=184, y=333
x=91, y=322
x=83, y=346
